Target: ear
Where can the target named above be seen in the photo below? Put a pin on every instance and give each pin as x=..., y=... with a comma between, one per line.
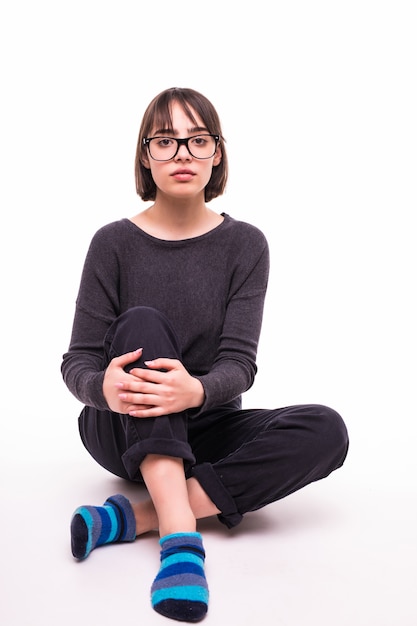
x=145, y=161
x=217, y=156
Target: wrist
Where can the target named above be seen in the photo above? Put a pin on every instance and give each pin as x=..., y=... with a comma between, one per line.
x=198, y=394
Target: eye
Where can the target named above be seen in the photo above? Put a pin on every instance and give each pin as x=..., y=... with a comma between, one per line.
x=165, y=142
x=199, y=141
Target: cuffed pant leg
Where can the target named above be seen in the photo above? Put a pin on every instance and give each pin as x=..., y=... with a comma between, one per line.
x=277, y=452
x=120, y=442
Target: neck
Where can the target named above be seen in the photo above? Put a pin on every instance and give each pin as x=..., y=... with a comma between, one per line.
x=181, y=211
x=182, y=219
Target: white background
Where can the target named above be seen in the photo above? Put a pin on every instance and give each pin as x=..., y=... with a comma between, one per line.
x=318, y=102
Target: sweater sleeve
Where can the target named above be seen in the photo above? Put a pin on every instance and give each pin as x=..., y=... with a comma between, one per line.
x=234, y=368
x=96, y=308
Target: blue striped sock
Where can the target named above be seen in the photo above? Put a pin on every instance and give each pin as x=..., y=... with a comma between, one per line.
x=180, y=589
x=93, y=526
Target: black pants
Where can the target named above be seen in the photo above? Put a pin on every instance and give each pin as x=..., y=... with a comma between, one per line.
x=243, y=459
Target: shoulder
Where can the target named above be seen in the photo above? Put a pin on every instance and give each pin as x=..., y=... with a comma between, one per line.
x=119, y=228
x=109, y=243
x=244, y=232
x=112, y=235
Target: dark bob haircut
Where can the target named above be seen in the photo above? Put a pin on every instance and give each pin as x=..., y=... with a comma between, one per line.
x=158, y=115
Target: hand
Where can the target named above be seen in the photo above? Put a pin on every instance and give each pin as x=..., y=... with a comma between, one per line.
x=151, y=393
x=115, y=378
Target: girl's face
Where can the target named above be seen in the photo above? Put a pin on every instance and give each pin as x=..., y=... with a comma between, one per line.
x=183, y=176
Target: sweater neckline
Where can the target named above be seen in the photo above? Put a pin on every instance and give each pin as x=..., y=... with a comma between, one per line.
x=209, y=233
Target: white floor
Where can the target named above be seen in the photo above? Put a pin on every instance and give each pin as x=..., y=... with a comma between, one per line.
x=342, y=551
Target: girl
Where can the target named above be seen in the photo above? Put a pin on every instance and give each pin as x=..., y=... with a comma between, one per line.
x=163, y=345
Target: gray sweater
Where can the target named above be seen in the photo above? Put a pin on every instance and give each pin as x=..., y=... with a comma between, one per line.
x=212, y=289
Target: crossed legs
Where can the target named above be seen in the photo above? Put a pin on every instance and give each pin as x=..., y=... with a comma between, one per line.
x=175, y=503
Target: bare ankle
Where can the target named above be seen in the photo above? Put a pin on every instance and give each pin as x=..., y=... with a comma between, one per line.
x=145, y=516
x=178, y=522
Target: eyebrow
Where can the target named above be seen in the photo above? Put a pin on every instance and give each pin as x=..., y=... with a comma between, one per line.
x=170, y=131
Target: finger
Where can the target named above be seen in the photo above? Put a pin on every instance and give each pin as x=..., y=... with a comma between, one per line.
x=134, y=408
x=144, y=412
x=127, y=358
x=149, y=376
x=136, y=399
x=162, y=364
x=140, y=384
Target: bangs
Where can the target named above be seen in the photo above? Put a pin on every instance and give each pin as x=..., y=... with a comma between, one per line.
x=162, y=113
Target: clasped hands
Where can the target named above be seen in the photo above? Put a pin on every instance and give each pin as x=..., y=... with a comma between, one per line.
x=150, y=392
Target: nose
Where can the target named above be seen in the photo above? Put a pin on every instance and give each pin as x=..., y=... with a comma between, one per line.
x=183, y=153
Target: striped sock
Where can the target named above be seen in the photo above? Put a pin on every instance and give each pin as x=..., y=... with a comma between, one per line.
x=93, y=526
x=180, y=589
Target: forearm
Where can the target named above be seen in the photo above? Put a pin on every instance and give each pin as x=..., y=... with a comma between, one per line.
x=85, y=383
x=225, y=383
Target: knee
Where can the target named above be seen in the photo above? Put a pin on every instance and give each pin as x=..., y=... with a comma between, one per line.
x=142, y=327
x=142, y=315
x=332, y=432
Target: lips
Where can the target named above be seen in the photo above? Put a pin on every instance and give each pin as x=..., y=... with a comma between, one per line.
x=182, y=174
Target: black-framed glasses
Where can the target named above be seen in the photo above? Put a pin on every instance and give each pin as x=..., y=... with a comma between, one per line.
x=166, y=148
